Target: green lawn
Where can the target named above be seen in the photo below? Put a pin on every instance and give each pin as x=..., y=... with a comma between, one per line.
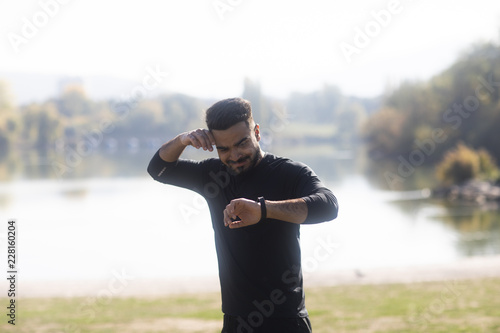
x=448, y=306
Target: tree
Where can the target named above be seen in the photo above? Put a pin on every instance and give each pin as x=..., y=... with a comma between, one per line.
x=9, y=122
x=73, y=102
x=463, y=163
x=253, y=93
x=42, y=125
x=463, y=101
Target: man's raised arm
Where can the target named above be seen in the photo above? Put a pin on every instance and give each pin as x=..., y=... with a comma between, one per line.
x=199, y=138
x=167, y=168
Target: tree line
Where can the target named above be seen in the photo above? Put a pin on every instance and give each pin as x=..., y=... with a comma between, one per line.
x=415, y=123
x=73, y=118
x=460, y=104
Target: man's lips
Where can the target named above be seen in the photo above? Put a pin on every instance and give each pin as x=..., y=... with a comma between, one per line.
x=239, y=163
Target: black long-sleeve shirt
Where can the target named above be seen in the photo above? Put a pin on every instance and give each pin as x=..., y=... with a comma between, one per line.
x=259, y=265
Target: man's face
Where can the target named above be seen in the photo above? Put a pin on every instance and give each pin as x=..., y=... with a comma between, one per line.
x=238, y=146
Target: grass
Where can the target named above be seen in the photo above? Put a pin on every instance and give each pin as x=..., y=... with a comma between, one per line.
x=448, y=306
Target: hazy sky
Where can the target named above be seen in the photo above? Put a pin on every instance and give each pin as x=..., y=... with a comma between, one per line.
x=285, y=45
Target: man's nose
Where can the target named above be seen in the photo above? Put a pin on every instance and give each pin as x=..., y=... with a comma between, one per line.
x=235, y=155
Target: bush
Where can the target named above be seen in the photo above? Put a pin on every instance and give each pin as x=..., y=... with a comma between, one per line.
x=463, y=163
x=487, y=165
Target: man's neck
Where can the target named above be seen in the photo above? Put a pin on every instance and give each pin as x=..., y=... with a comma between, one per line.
x=260, y=156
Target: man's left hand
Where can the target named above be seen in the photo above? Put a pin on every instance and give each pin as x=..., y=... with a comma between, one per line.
x=241, y=213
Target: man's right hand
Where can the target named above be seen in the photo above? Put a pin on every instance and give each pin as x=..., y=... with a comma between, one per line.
x=199, y=138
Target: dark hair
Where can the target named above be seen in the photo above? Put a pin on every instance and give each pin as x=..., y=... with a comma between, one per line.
x=228, y=112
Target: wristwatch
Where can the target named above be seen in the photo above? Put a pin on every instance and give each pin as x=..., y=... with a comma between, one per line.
x=263, y=210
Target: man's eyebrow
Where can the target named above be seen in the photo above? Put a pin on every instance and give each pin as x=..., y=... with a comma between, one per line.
x=236, y=144
x=239, y=142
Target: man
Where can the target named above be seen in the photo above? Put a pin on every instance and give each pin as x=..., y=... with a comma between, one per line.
x=257, y=202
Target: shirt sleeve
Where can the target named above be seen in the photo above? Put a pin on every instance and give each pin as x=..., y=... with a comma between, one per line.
x=182, y=173
x=321, y=203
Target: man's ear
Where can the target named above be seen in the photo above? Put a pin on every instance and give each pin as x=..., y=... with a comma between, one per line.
x=257, y=132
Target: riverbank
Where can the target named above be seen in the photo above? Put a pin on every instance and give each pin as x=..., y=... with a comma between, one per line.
x=130, y=286
x=473, y=192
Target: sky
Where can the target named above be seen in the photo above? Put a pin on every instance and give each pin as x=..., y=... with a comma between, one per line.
x=208, y=47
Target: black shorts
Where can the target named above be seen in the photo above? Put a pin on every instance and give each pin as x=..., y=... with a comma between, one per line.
x=234, y=324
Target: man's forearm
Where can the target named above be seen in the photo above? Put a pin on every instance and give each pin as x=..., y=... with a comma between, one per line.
x=172, y=150
x=199, y=138
x=293, y=210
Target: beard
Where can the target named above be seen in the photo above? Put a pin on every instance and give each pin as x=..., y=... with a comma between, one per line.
x=254, y=159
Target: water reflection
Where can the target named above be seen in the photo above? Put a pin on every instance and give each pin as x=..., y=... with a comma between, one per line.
x=5, y=200
x=390, y=176
x=478, y=228
x=77, y=193
x=50, y=165
x=398, y=227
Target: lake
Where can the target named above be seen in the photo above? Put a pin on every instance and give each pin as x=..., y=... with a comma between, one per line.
x=81, y=227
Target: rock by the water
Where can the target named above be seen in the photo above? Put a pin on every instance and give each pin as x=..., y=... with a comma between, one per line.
x=473, y=191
